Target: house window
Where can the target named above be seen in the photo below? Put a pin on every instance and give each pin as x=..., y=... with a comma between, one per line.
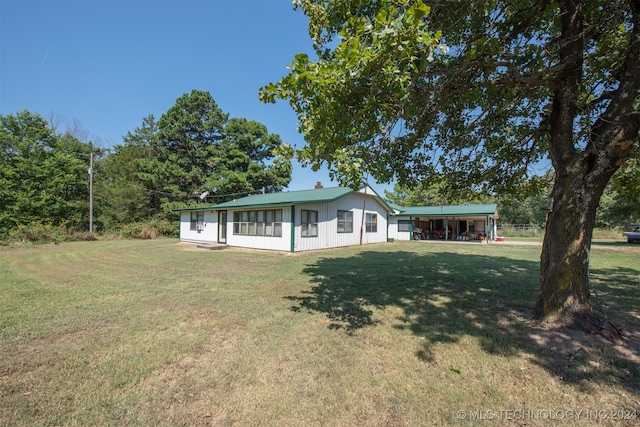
x=258, y=223
x=404, y=225
x=197, y=221
x=372, y=223
x=345, y=222
x=309, y=223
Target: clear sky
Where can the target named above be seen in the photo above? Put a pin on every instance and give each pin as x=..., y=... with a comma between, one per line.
x=107, y=64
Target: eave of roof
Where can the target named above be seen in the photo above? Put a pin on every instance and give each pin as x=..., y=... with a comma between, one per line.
x=451, y=211
x=284, y=198
x=330, y=194
x=196, y=208
x=287, y=198
x=377, y=197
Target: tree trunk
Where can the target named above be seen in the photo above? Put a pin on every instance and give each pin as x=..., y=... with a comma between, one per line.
x=582, y=175
x=564, y=263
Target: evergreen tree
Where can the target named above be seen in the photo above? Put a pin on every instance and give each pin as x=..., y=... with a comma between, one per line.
x=127, y=187
x=194, y=148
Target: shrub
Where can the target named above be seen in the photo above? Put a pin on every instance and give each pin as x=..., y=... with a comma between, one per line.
x=147, y=230
x=36, y=232
x=73, y=235
x=168, y=228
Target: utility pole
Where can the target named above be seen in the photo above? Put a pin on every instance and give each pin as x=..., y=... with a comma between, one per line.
x=91, y=192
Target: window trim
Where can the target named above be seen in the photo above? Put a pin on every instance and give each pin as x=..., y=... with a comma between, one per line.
x=197, y=222
x=371, y=222
x=260, y=222
x=402, y=223
x=308, y=226
x=347, y=222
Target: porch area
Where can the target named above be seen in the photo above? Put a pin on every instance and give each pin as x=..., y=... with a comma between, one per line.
x=456, y=223
x=454, y=229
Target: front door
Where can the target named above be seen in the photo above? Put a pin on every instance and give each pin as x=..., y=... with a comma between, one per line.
x=222, y=227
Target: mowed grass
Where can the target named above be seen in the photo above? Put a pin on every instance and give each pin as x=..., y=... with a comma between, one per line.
x=408, y=333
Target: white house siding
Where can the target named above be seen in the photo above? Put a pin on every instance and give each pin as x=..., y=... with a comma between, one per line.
x=328, y=236
x=274, y=243
x=325, y=212
x=380, y=236
x=208, y=235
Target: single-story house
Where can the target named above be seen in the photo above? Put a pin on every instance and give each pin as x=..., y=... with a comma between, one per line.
x=291, y=221
x=455, y=222
x=323, y=218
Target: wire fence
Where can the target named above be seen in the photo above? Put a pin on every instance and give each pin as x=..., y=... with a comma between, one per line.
x=519, y=230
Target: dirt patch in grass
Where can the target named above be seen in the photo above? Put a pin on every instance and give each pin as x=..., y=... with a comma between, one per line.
x=571, y=341
x=595, y=363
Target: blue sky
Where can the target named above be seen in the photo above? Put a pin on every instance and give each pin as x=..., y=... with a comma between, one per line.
x=108, y=64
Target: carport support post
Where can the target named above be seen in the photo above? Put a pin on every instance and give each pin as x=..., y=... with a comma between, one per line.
x=486, y=228
x=446, y=228
x=495, y=228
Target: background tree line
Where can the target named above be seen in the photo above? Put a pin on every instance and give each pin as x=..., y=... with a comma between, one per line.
x=620, y=203
x=193, y=154
x=192, y=149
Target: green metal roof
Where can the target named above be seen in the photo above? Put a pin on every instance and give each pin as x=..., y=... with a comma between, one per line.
x=330, y=194
x=284, y=198
x=287, y=198
x=452, y=210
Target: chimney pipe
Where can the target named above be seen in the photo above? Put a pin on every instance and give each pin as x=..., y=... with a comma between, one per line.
x=318, y=185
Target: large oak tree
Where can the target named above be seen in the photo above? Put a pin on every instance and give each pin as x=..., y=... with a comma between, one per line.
x=481, y=92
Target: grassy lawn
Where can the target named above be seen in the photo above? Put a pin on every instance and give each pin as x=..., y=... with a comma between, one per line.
x=407, y=333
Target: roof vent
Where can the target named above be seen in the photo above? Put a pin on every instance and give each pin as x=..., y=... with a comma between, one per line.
x=318, y=185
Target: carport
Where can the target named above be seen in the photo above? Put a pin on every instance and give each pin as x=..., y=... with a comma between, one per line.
x=468, y=222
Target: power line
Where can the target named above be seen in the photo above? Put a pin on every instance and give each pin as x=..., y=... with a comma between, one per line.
x=166, y=193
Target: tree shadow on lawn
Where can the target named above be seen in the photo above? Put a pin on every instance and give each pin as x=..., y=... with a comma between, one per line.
x=444, y=296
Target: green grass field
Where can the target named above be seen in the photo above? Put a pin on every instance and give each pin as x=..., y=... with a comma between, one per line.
x=406, y=333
